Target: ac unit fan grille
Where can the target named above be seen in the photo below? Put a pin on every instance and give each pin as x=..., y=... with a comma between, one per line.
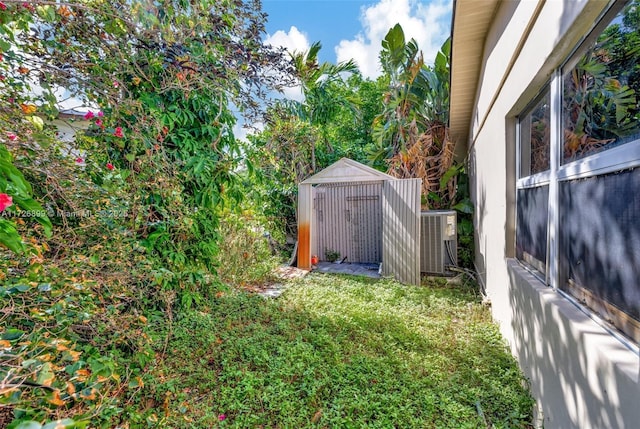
x=438, y=244
x=431, y=245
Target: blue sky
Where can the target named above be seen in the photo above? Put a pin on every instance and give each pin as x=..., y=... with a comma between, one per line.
x=353, y=29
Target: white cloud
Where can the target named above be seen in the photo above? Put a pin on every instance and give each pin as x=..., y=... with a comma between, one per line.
x=294, y=41
x=428, y=23
x=241, y=132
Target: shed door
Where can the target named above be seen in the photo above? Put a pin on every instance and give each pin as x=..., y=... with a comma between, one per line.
x=365, y=214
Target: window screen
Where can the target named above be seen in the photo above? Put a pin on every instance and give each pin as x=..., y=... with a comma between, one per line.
x=596, y=221
x=532, y=225
x=600, y=238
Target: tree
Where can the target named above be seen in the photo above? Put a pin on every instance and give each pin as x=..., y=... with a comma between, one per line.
x=153, y=170
x=401, y=121
x=320, y=103
x=163, y=75
x=282, y=152
x=411, y=132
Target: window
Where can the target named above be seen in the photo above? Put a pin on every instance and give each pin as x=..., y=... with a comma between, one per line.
x=533, y=193
x=578, y=203
x=531, y=232
x=535, y=137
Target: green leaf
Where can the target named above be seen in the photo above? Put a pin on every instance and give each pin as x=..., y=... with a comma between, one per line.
x=434, y=197
x=9, y=236
x=36, y=121
x=12, y=334
x=45, y=375
x=451, y=172
x=29, y=425
x=464, y=206
x=62, y=424
x=20, y=288
x=35, y=211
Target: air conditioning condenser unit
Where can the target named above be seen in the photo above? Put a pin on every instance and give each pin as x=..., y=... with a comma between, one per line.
x=438, y=241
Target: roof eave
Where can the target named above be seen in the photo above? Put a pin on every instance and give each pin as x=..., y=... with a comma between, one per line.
x=471, y=21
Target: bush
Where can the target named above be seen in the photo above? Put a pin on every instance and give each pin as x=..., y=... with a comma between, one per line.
x=247, y=254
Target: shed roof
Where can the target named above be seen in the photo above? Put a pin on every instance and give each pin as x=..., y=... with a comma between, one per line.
x=347, y=170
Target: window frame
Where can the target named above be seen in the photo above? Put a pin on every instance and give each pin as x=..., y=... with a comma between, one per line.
x=542, y=178
x=618, y=158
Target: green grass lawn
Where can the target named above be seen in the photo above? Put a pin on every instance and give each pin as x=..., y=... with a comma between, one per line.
x=342, y=352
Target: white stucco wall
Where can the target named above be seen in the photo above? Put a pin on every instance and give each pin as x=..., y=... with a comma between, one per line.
x=582, y=376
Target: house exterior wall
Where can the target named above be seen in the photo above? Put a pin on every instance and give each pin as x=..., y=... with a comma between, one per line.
x=581, y=375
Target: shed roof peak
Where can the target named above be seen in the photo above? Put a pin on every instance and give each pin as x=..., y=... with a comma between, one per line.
x=347, y=170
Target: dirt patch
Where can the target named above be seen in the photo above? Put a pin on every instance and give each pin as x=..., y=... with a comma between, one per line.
x=285, y=272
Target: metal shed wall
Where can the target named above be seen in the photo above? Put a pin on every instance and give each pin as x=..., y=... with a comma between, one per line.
x=400, y=211
x=348, y=219
x=401, y=230
x=305, y=212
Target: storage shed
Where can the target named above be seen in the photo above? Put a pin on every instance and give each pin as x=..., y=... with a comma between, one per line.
x=357, y=212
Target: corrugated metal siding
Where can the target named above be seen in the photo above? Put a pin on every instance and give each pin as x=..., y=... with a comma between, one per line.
x=348, y=220
x=401, y=230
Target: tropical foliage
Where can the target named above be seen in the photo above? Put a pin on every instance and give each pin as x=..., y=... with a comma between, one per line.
x=411, y=132
x=600, y=91
x=112, y=241
x=320, y=105
x=293, y=145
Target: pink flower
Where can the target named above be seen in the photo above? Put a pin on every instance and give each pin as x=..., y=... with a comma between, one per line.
x=12, y=136
x=222, y=417
x=110, y=166
x=115, y=84
x=118, y=132
x=79, y=160
x=99, y=123
x=3, y=6
x=100, y=114
x=88, y=115
x=5, y=201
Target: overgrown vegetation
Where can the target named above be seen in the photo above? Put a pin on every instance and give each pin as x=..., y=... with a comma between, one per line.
x=126, y=227
x=125, y=247
x=341, y=352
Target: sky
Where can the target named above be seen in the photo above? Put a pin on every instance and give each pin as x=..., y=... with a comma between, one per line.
x=354, y=29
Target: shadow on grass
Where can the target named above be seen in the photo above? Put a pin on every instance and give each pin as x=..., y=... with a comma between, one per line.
x=342, y=352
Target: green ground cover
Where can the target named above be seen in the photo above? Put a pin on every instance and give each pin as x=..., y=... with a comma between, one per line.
x=343, y=352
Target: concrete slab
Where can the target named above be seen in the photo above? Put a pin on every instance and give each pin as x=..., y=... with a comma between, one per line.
x=366, y=270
